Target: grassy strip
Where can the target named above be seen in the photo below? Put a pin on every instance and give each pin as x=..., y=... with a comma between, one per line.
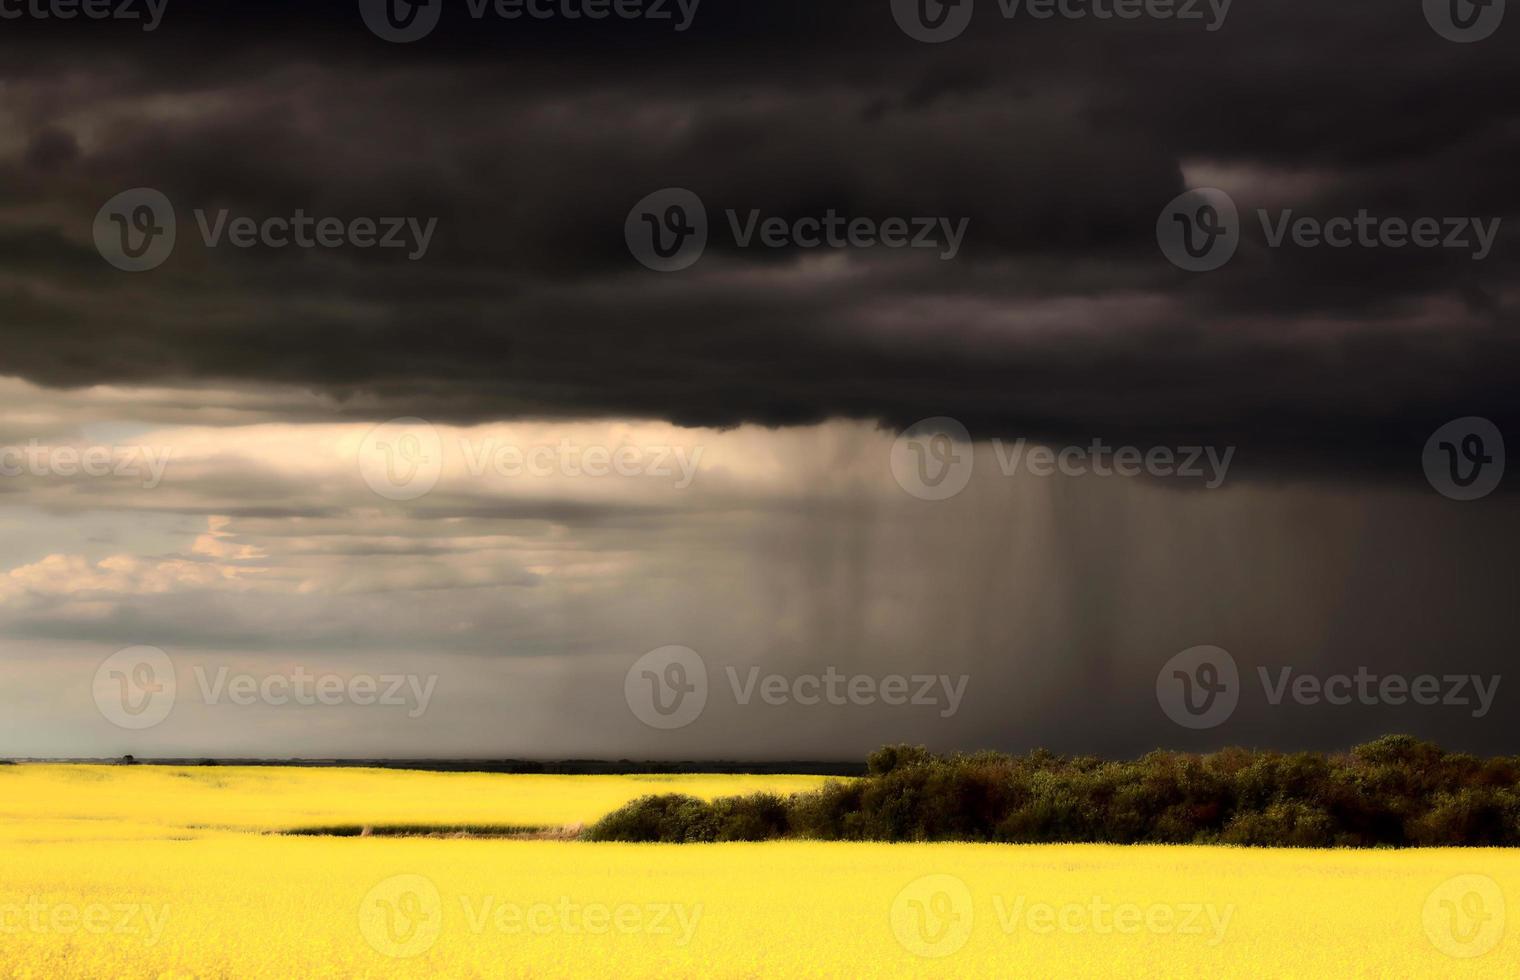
x=418, y=830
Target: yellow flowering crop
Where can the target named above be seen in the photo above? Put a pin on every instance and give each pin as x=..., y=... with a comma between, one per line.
x=196, y=888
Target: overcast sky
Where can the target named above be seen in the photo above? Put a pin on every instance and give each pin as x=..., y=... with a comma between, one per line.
x=757, y=506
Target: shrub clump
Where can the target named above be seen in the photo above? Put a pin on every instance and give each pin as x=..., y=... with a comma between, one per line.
x=676, y=819
x=1393, y=792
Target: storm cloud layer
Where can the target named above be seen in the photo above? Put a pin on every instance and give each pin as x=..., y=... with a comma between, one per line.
x=766, y=524
x=1058, y=141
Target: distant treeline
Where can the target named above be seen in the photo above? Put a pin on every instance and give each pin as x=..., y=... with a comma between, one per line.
x=565, y=767
x=1393, y=792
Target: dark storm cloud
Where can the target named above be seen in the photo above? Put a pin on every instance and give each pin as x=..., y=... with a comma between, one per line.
x=1059, y=141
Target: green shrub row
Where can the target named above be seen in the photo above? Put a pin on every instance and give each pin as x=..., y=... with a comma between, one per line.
x=1394, y=792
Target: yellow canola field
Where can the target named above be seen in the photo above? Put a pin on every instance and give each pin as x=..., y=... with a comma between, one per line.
x=228, y=904
x=84, y=802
